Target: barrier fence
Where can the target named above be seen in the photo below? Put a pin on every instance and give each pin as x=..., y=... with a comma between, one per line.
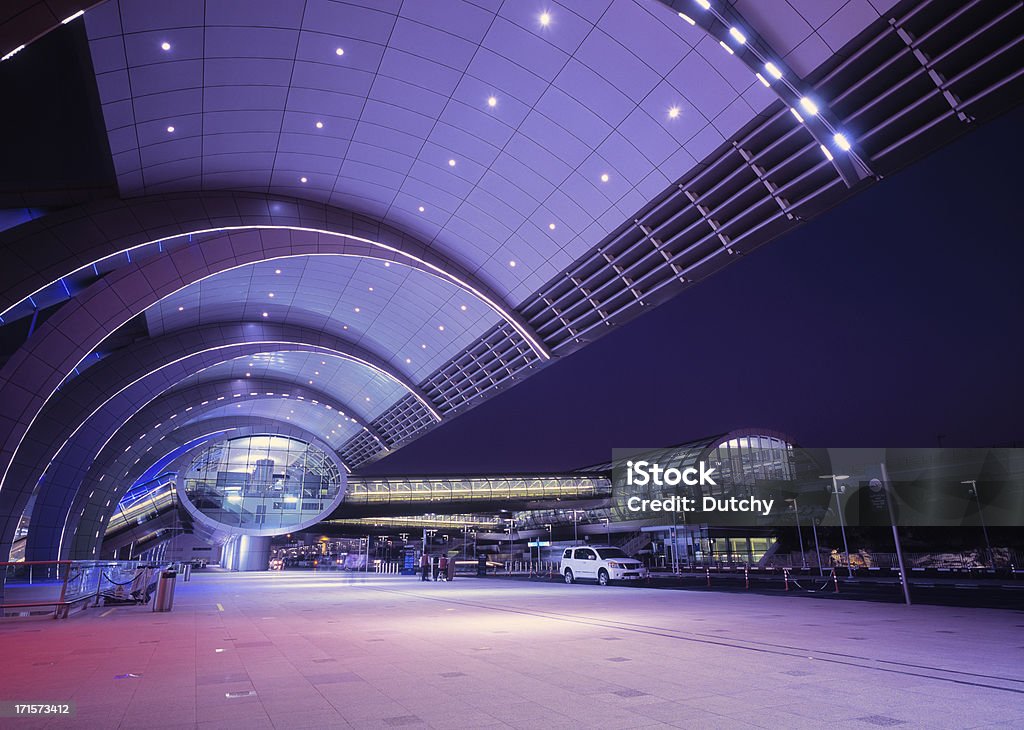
x=60, y=585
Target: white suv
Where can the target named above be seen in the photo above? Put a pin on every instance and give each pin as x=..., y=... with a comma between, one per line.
x=601, y=563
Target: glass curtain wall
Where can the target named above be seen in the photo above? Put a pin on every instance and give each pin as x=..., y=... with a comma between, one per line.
x=262, y=482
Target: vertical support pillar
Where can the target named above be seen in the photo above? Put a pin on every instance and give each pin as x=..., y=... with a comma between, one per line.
x=253, y=553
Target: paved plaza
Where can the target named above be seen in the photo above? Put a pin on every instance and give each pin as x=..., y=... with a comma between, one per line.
x=306, y=650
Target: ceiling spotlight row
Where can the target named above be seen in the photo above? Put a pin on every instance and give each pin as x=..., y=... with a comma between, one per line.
x=808, y=105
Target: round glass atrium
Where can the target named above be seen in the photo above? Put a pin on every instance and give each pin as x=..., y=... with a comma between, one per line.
x=266, y=484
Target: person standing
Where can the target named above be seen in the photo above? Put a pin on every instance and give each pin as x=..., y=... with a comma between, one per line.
x=442, y=567
x=425, y=565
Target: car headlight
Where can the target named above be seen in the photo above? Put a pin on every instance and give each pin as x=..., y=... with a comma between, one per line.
x=613, y=564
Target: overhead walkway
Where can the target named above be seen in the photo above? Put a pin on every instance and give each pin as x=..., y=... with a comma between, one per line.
x=149, y=511
x=412, y=490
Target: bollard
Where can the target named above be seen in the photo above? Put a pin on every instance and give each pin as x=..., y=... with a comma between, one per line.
x=709, y=576
x=746, y=576
x=785, y=577
x=835, y=581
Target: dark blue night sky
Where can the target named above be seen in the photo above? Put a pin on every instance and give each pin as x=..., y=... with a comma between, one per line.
x=896, y=319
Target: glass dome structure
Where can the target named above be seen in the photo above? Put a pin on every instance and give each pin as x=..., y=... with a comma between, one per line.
x=262, y=484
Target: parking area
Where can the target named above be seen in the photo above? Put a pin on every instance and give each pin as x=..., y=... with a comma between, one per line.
x=294, y=650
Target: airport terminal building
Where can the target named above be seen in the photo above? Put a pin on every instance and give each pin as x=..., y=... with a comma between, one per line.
x=254, y=249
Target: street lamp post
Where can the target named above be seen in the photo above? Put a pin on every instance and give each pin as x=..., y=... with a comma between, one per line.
x=839, y=508
x=887, y=486
x=988, y=546
x=509, y=529
x=817, y=548
x=575, y=525
x=799, y=531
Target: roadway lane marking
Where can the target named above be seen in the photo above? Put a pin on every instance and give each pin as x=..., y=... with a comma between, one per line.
x=220, y=607
x=108, y=612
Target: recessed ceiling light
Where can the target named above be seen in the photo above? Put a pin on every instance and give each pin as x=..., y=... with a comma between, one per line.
x=704, y=4
x=248, y=375
x=551, y=226
x=796, y=114
x=408, y=361
x=357, y=310
x=319, y=125
x=323, y=362
x=762, y=79
x=492, y=101
x=463, y=307
x=512, y=264
x=266, y=314
x=367, y=397
x=735, y=33
x=339, y=51
x=277, y=271
x=344, y=326
x=440, y=327
x=422, y=209
x=809, y=106
x=545, y=19
x=387, y=264
x=725, y=45
x=303, y=180
x=310, y=382
x=451, y=163
x=423, y=346
x=316, y=372
x=841, y=141
x=270, y=294
x=170, y=129
x=604, y=177
x=673, y=112
x=166, y=46
x=687, y=18
x=773, y=70
x=181, y=309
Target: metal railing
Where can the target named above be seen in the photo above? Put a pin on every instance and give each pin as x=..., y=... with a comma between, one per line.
x=61, y=584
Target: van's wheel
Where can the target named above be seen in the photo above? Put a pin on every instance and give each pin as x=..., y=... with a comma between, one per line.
x=568, y=576
x=602, y=577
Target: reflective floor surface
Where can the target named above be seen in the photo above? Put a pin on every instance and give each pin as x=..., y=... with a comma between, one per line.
x=305, y=650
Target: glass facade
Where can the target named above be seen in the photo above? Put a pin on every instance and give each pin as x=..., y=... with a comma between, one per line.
x=387, y=490
x=262, y=482
x=749, y=459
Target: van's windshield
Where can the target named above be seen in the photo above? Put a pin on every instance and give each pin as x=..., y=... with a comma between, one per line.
x=607, y=553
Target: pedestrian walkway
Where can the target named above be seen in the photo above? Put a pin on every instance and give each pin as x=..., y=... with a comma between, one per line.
x=303, y=650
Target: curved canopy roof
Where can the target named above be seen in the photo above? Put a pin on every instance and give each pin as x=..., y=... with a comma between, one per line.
x=405, y=113
x=457, y=190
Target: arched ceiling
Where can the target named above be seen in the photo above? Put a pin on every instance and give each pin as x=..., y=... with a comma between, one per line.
x=412, y=319
x=368, y=392
x=243, y=85
x=455, y=188
x=330, y=427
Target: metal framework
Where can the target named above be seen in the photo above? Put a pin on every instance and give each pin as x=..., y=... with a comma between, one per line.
x=412, y=490
x=910, y=84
